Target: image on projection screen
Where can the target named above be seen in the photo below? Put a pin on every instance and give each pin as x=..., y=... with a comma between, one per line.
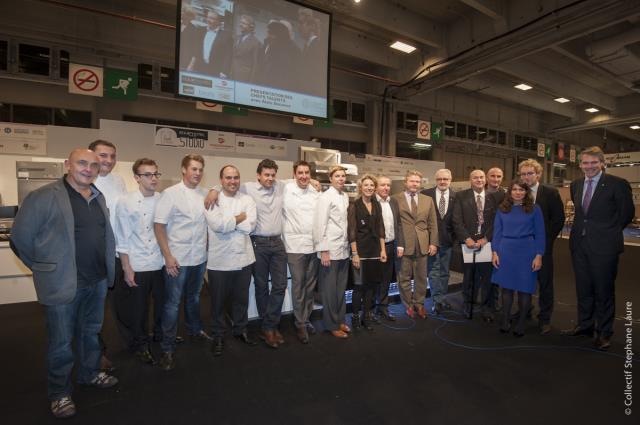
x=266, y=54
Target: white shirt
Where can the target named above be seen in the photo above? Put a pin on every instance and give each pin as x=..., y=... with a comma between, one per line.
x=269, y=206
x=182, y=210
x=330, y=224
x=440, y=194
x=387, y=218
x=207, y=44
x=112, y=187
x=230, y=245
x=298, y=209
x=134, y=231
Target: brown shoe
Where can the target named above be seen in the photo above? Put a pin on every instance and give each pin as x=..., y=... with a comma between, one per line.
x=106, y=365
x=344, y=328
x=302, y=334
x=339, y=334
x=269, y=338
x=279, y=337
x=545, y=329
x=422, y=312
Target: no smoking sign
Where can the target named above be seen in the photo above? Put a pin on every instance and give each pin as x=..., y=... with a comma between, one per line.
x=424, y=130
x=87, y=80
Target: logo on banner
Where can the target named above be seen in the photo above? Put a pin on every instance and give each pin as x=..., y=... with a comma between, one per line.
x=541, y=150
x=209, y=106
x=303, y=120
x=424, y=130
x=86, y=80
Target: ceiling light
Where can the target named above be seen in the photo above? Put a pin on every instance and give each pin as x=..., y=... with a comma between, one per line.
x=592, y=110
x=356, y=1
x=562, y=100
x=523, y=87
x=422, y=145
x=403, y=47
x=635, y=127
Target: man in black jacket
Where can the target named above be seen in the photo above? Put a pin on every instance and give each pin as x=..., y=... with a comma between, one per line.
x=438, y=268
x=548, y=199
x=473, y=215
x=603, y=208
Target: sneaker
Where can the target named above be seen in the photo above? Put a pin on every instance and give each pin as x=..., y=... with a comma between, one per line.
x=63, y=408
x=102, y=380
x=167, y=362
x=200, y=336
x=145, y=357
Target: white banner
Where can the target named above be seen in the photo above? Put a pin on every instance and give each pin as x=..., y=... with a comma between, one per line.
x=621, y=157
x=194, y=139
x=209, y=106
x=86, y=80
x=541, y=149
x=264, y=146
x=23, y=139
x=424, y=130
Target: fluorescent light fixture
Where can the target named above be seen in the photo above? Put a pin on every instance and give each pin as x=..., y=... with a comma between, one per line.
x=422, y=145
x=592, y=110
x=403, y=47
x=635, y=127
x=356, y=1
x=523, y=87
x=562, y=100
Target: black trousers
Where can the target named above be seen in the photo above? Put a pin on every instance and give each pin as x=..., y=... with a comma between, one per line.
x=595, y=278
x=232, y=284
x=382, y=289
x=478, y=276
x=131, y=306
x=545, y=288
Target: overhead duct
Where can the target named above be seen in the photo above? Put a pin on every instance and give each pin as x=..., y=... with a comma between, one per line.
x=613, y=54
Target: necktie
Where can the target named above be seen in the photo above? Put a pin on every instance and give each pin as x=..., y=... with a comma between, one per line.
x=480, y=212
x=442, y=206
x=414, y=204
x=587, y=195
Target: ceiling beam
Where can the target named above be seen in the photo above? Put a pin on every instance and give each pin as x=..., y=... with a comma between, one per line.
x=605, y=121
x=490, y=8
x=559, y=84
x=557, y=27
x=359, y=46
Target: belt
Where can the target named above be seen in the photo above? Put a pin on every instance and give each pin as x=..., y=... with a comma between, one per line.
x=518, y=237
x=266, y=238
x=390, y=243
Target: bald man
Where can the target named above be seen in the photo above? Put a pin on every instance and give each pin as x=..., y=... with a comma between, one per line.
x=62, y=233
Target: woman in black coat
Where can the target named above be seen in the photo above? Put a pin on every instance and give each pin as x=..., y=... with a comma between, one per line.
x=366, y=235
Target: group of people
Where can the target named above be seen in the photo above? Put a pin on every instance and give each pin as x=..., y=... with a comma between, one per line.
x=85, y=233
x=276, y=61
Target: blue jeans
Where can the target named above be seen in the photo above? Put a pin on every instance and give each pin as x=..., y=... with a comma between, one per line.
x=80, y=320
x=189, y=281
x=271, y=260
x=438, y=273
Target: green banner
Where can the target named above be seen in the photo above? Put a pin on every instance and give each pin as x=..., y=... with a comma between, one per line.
x=233, y=110
x=121, y=84
x=436, y=131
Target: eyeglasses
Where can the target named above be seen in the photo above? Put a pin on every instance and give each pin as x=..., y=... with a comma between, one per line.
x=530, y=173
x=149, y=175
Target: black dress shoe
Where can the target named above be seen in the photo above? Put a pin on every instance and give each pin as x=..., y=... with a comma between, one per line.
x=179, y=339
x=200, y=337
x=302, y=334
x=577, y=331
x=387, y=316
x=602, y=343
x=311, y=330
x=168, y=361
x=438, y=308
x=217, y=347
x=244, y=338
x=145, y=357
x=518, y=334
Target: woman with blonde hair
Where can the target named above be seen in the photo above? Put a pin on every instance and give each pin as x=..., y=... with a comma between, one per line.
x=366, y=235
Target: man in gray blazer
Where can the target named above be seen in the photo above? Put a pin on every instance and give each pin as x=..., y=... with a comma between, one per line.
x=62, y=233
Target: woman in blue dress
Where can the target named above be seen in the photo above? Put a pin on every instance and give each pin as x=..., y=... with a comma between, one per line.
x=518, y=245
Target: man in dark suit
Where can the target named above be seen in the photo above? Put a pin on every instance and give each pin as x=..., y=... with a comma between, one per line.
x=214, y=55
x=420, y=231
x=438, y=268
x=603, y=208
x=473, y=214
x=62, y=233
x=393, y=238
x=246, y=51
x=548, y=199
